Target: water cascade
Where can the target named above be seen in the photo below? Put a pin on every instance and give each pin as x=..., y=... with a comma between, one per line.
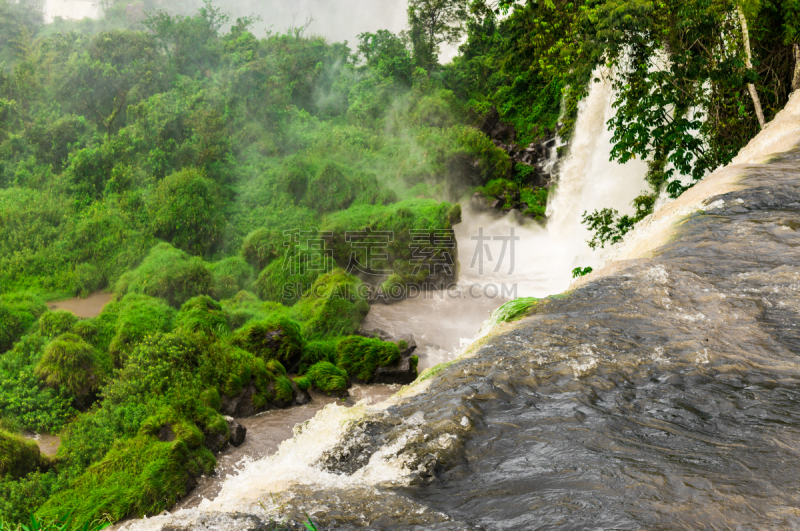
x=443, y=323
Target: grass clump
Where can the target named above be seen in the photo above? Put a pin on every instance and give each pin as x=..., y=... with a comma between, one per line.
x=261, y=247
x=276, y=338
x=327, y=377
x=303, y=383
x=19, y=456
x=243, y=308
x=361, y=356
x=71, y=364
x=202, y=315
x=169, y=274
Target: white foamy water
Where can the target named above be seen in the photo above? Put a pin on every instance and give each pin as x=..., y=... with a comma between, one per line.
x=544, y=257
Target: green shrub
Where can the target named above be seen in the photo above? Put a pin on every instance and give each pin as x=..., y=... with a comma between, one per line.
x=316, y=351
x=335, y=306
x=71, y=364
x=202, y=315
x=18, y=312
x=273, y=338
x=137, y=317
x=330, y=189
x=19, y=456
x=53, y=324
x=186, y=211
x=170, y=274
x=327, y=377
x=360, y=356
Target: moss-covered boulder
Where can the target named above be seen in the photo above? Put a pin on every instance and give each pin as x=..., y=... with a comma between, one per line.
x=19, y=456
x=334, y=307
x=169, y=274
x=18, y=312
x=202, y=315
x=73, y=365
x=136, y=317
x=361, y=356
x=328, y=378
x=286, y=284
x=276, y=337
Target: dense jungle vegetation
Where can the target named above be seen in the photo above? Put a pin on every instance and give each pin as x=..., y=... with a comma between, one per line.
x=163, y=158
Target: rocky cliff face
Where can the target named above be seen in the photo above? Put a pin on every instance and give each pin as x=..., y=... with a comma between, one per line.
x=658, y=393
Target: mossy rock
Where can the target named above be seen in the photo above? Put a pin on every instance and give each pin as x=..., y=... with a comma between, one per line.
x=303, y=383
x=279, y=283
x=328, y=378
x=202, y=315
x=19, y=456
x=71, y=364
x=361, y=356
x=53, y=324
x=276, y=338
x=335, y=306
x=18, y=312
x=231, y=276
x=137, y=317
x=169, y=274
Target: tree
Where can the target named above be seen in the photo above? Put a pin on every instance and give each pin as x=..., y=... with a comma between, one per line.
x=433, y=23
x=748, y=55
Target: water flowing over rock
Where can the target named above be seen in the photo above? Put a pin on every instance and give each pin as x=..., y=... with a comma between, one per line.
x=658, y=393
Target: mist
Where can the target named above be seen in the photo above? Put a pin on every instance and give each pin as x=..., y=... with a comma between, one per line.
x=336, y=20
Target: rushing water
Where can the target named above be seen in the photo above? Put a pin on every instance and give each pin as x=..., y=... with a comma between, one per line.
x=443, y=323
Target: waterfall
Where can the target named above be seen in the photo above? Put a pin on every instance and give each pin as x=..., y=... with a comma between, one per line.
x=544, y=256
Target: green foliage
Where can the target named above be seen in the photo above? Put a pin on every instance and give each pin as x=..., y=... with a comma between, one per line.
x=361, y=356
x=19, y=456
x=135, y=317
x=303, y=383
x=327, y=377
x=514, y=310
x=231, y=276
x=18, y=312
x=169, y=274
x=275, y=338
x=581, y=271
x=607, y=226
x=185, y=211
x=53, y=324
x=71, y=364
x=242, y=308
x=263, y=246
